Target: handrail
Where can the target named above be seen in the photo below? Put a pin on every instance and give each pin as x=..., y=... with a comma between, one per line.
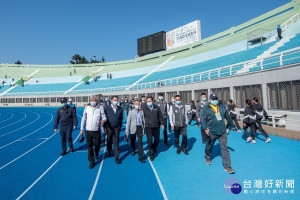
x=206, y=75
x=290, y=21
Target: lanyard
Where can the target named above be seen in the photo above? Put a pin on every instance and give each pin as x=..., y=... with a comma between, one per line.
x=214, y=110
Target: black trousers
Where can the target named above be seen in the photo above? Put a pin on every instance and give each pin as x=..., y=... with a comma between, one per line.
x=193, y=117
x=169, y=125
x=113, y=134
x=252, y=129
x=152, y=132
x=66, y=134
x=177, y=131
x=93, y=138
x=139, y=134
x=224, y=149
x=279, y=34
x=203, y=134
x=236, y=123
x=165, y=132
x=259, y=127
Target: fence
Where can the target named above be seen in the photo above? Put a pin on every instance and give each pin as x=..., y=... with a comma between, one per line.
x=284, y=95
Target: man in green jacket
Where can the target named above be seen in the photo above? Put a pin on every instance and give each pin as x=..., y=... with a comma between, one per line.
x=212, y=121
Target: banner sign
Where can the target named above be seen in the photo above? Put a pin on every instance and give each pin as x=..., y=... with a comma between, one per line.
x=183, y=35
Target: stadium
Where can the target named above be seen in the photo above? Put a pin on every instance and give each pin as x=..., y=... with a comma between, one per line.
x=243, y=62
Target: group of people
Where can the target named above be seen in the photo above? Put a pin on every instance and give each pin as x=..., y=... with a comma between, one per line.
x=146, y=116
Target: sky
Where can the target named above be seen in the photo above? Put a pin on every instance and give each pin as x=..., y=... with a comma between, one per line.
x=52, y=31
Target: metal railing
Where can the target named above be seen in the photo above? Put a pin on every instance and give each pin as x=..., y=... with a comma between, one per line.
x=274, y=60
x=290, y=22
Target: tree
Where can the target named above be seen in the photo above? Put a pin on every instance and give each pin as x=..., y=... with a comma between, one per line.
x=94, y=60
x=77, y=59
x=18, y=62
x=103, y=59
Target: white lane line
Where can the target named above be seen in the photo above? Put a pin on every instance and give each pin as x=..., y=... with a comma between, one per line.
x=26, y=152
x=12, y=115
x=29, y=133
x=32, y=139
x=80, y=151
x=97, y=177
x=21, y=127
x=14, y=122
x=157, y=178
x=37, y=180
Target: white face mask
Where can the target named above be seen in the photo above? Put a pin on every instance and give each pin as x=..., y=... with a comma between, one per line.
x=137, y=107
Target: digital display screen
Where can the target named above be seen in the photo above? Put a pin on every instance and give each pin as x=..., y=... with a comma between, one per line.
x=152, y=43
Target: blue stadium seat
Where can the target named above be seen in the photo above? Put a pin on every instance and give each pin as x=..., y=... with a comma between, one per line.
x=43, y=87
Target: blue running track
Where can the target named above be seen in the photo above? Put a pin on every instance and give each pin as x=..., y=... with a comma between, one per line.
x=31, y=166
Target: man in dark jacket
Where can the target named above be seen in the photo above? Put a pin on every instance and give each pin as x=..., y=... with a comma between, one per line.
x=153, y=120
x=163, y=106
x=114, y=119
x=66, y=118
x=200, y=105
x=212, y=121
x=179, y=122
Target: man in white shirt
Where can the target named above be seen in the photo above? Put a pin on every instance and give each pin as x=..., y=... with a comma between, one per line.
x=92, y=120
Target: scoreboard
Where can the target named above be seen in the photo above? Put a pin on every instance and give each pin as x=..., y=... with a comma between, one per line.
x=152, y=43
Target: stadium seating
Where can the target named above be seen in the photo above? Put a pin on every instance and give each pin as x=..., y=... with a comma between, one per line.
x=43, y=87
x=114, y=82
x=210, y=64
x=49, y=80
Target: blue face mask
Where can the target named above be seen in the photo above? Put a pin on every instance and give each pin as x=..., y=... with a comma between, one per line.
x=115, y=103
x=203, y=99
x=93, y=103
x=178, y=102
x=149, y=104
x=161, y=98
x=64, y=104
x=215, y=102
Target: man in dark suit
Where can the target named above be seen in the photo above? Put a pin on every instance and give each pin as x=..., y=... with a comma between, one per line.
x=153, y=120
x=67, y=119
x=114, y=115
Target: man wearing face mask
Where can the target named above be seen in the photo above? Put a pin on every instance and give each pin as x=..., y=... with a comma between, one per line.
x=114, y=116
x=179, y=122
x=92, y=120
x=163, y=106
x=143, y=102
x=153, y=120
x=126, y=105
x=169, y=105
x=106, y=102
x=70, y=103
x=199, y=109
x=212, y=121
x=66, y=118
x=135, y=126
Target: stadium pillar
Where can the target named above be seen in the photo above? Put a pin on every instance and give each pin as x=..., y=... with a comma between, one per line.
x=193, y=95
x=208, y=92
x=265, y=95
x=231, y=93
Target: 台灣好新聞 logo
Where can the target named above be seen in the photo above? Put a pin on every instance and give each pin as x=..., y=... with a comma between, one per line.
x=232, y=186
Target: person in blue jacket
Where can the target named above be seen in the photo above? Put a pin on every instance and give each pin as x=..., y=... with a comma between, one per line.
x=279, y=32
x=67, y=119
x=212, y=120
